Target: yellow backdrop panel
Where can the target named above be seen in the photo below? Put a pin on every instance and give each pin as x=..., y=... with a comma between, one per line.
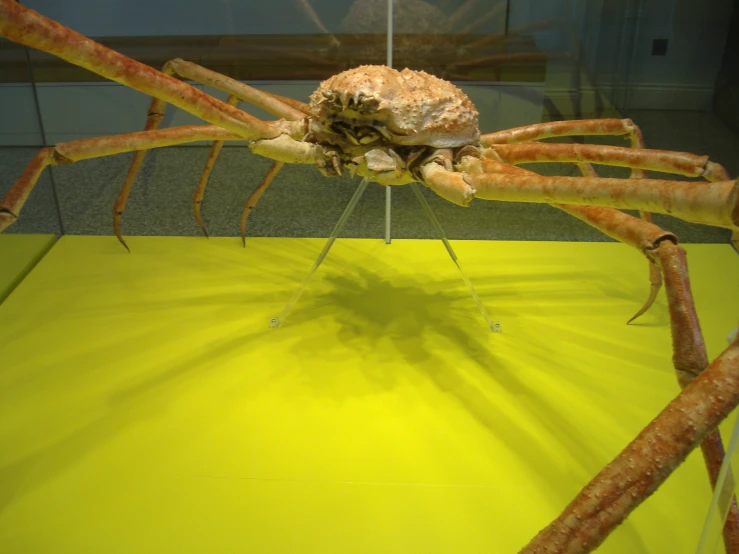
x=146, y=406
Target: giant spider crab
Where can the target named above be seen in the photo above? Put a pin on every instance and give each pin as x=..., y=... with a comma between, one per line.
x=398, y=127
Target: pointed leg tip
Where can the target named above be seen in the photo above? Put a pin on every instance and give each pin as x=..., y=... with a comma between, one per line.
x=123, y=242
x=653, y=291
x=199, y=218
x=633, y=318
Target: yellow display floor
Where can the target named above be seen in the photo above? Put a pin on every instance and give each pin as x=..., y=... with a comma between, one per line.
x=18, y=255
x=145, y=405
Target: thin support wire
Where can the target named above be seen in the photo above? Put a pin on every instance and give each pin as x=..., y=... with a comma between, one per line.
x=42, y=128
x=492, y=324
x=390, y=33
x=388, y=214
x=277, y=321
x=388, y=190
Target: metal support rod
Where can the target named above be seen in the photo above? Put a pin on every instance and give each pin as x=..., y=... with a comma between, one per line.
x=388, y=214
x=388, y=190
x=276, y=322
x=492, y=324
x=390, y=33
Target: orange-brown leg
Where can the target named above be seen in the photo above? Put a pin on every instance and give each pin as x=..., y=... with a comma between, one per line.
x=690, y=357
x=252, y=201
x=276, y=105
x=27, y=27
x=493, y=165
x=69, y=152
x=710, y=203
x=592, y=127
x=581, y=127
x=679, y=163
x=655, y=453
x=637, y=159
x=585, y=127
x=153, y=119
x=279, y=106
x=197, y=197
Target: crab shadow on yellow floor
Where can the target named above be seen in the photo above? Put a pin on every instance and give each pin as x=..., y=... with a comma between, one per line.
x=408, y=315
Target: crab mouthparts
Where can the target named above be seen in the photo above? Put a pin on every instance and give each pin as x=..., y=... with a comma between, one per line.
x=341, y=101
x=359, y=131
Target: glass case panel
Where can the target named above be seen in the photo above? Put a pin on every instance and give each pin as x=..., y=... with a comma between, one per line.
x=520, y=62
x=21, y=138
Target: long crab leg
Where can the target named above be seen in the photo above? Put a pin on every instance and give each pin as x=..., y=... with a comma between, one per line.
x=655, y=274
x=633, y=476
x=594, y=216
x=252, y=201
x=603, y=219
x=582, y=127
x=579, y=128
x=613, y=222
x=84, y=149
x=276, y=105
x=197, y=197
x=680, y=163
x=502, y=143
x=636, y=158
x=712, y=203
x=690, y=360
x=690, y=357
x=27, y=27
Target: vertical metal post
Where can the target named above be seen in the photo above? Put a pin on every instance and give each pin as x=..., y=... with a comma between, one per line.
x=388, y=190
x=390, y=33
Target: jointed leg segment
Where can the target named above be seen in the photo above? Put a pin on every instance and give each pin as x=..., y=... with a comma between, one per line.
x=84, y=149
x=289, y=109
x=587, y=520
x=554, y=129
x=679, y=163
x=30, y=28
